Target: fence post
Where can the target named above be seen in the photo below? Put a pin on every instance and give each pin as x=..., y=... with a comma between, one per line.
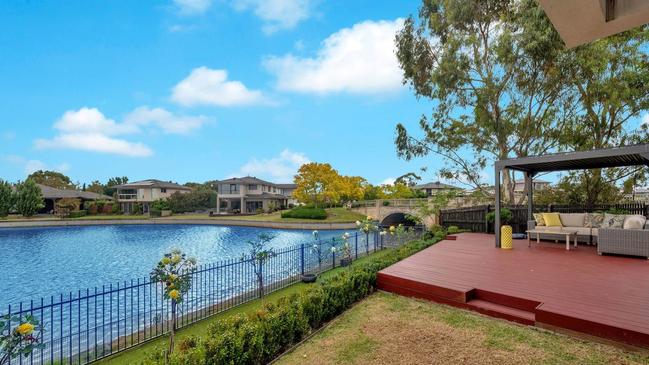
x=302, y=259
x=356, y=243
x=333, y=253
x=486, y=220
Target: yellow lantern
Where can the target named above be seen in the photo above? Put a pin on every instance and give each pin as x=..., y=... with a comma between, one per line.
x=506, y=237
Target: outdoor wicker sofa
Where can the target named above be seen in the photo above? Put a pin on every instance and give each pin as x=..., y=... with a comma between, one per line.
x=622, y=241
x=634, y=242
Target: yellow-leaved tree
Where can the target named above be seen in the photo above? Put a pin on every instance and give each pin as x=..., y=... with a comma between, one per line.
x=317, y=184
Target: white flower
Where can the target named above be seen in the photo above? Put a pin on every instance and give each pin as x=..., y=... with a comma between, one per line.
x=383, y=233
x=315, y=247
x=346, y=235
x=333, y=249
x=358, y=223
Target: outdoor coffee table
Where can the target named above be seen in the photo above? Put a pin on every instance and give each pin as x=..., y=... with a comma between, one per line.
x=568, y=233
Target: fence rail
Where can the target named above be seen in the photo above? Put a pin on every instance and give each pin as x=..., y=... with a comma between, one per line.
x=87, y=325
x=475, y=218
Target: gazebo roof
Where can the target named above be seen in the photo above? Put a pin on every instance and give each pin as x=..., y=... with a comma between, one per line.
x=600, y=158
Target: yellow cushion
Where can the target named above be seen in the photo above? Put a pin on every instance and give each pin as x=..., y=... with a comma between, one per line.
x=552, y=219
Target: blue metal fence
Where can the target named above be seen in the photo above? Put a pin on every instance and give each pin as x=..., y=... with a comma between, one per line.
x=87, y=325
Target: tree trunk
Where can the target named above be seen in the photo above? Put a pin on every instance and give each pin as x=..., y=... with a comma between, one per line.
x=173, y=330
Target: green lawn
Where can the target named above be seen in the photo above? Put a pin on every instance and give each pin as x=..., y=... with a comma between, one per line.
x=137, y=354
x=390, y=329
x=334, y=215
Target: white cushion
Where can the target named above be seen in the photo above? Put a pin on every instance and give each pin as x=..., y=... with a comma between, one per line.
x=572, y=219
x=634, y=222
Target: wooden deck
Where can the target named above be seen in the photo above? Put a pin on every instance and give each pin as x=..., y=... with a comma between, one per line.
x=545, y=285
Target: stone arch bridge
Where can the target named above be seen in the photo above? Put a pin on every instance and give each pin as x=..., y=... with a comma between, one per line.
x=391, y=212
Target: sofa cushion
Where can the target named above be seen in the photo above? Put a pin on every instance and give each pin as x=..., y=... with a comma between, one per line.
x=634, y=222
x=593, y=220
x=538, y=217
x=552, y=219
x=613, y=221
x=572, y=219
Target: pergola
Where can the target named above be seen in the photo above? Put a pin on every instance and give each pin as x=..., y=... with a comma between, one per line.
x=601, y=158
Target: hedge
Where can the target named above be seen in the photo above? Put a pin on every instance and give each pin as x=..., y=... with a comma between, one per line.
x=261, y=337
x=305, y=213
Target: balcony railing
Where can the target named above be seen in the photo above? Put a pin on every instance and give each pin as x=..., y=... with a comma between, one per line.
x=127, y=196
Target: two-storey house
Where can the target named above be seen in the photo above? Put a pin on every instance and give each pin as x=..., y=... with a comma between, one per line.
x=248, y=195
x=146, y=192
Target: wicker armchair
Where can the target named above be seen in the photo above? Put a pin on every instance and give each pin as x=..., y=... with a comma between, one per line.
x=634, y=242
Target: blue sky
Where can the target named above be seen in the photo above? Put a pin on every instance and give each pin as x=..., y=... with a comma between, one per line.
x=195, y=90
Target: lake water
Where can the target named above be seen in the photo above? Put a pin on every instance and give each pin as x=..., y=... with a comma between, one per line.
x=40, y=262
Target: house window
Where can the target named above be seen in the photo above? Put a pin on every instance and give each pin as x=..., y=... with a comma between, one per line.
x=163, y=190
x=234, y=188
x=252, y=187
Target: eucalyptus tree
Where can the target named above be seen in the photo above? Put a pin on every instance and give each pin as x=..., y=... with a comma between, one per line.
x=490, y=68
x=611, y=79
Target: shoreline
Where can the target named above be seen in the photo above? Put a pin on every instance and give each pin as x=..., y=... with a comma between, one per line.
x=167, y=221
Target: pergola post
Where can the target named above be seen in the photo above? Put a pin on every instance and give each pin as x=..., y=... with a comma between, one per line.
x=529, y=181
x=497, y=217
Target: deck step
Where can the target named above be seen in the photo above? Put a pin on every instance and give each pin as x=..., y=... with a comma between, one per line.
x=501, y=311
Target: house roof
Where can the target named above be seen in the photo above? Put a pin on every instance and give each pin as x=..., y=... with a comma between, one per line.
x=152, y=183
x=49, y=192
x=600, y=158
x=245, y=180
x=286, y=186
x=435, y=185
x=583, y=21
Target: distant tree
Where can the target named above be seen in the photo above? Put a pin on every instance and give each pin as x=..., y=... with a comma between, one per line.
x=29, y=199
x=113, y=181
x=201, y=198
x=6, y=198
x=373, y=192
x=351, y=188
x=398, y=191
x=317, y=184
x=96, y=187
x=53, y=179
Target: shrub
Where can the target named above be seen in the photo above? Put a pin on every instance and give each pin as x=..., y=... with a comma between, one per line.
x=306, y=213
x=64, y=207
x=78, y=214
x=505, y=216
x=260, y=337
x=200, y=198
x=160, y=204
x=116, y=209
x=29, y=199
x=386, y=203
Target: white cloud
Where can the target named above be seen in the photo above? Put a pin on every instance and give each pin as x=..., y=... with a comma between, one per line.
x=165, y=120
x=193, y=7
x=280, y=169
x=360, y=59
x=278, y=14
x=388, y=181
x=205, y=86
x=95, y=142
x=29, y=166
x=88, y=129
x=8, y=135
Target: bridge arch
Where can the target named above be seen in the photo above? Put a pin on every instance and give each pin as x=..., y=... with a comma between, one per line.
x=396, y=218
